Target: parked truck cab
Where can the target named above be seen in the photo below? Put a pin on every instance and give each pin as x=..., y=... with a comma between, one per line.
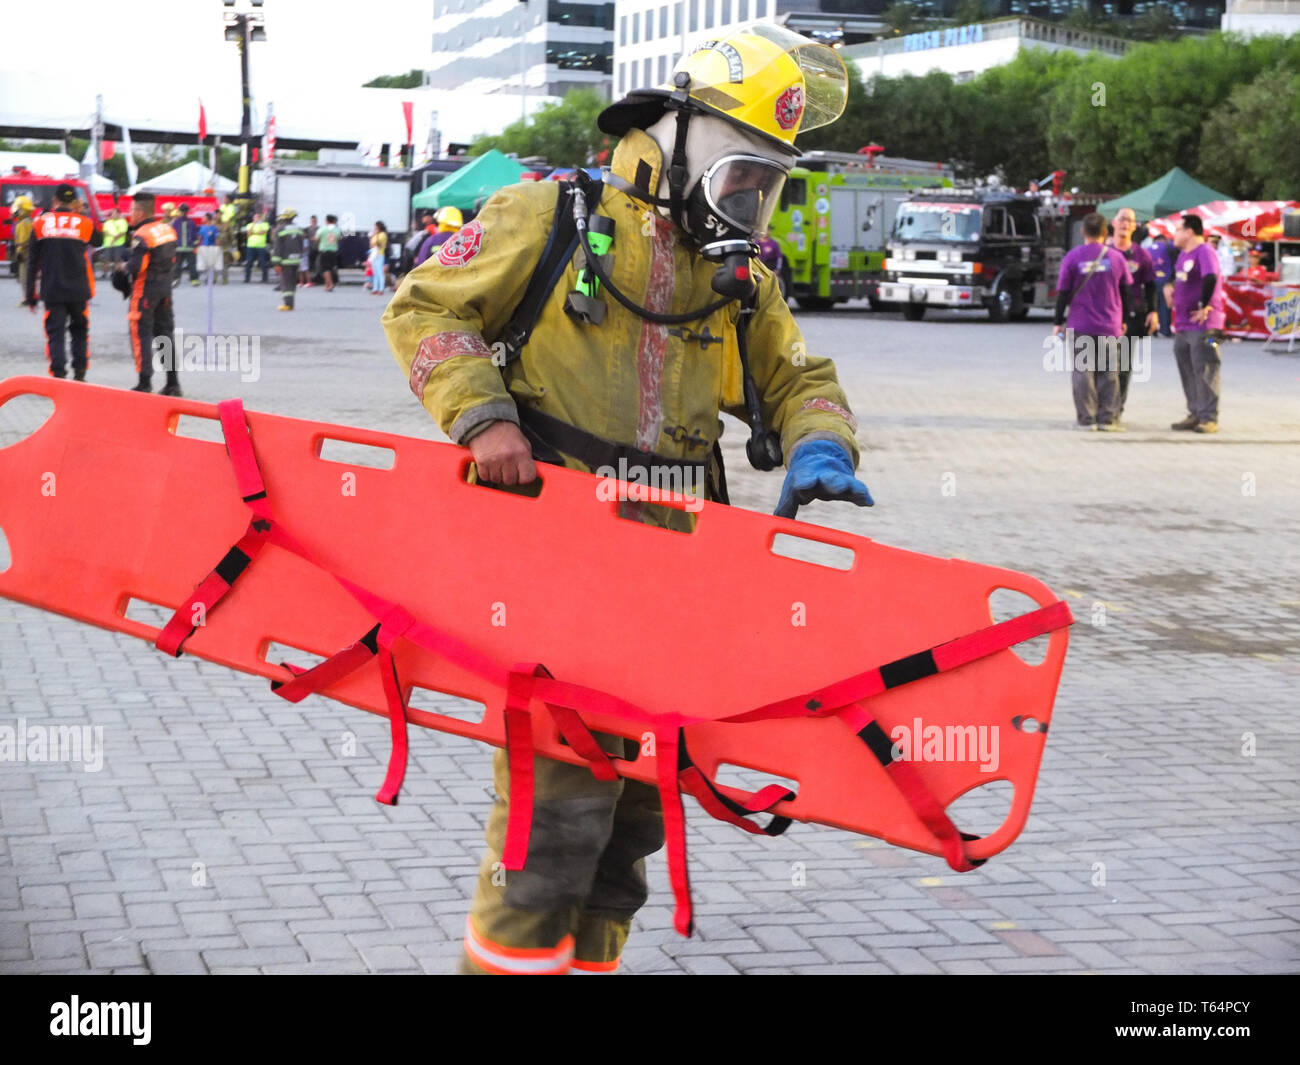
x=979, y=248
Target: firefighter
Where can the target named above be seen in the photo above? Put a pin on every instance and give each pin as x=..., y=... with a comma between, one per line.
x=59, y=264
x=187, y=241
x=148, y=272
x=286, y=254
x=22, y=211
x=693, y=182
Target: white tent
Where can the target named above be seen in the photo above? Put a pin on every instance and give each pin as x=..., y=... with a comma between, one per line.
x=191, y=177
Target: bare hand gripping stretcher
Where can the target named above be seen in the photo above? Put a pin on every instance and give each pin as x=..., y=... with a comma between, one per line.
x=559, y=616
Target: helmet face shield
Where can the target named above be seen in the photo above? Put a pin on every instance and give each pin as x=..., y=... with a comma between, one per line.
x=742, y=191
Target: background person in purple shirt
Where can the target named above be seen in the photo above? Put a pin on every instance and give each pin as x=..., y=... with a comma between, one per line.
x=1142, y=320
x=1094, y=287
x=1197, y=293
x=1162, y=254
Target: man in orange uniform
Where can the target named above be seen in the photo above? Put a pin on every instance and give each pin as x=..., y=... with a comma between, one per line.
x=149, y=270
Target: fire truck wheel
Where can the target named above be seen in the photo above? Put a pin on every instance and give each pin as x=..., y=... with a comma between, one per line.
x=914, y=312
x=815, y=303
x=1006, y=304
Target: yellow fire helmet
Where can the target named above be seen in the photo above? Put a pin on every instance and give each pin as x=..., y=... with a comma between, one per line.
x=21, y=203
x=449, y=219
x=764, y=79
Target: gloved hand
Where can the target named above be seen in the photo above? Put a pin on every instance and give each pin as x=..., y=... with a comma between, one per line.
x=820, y=469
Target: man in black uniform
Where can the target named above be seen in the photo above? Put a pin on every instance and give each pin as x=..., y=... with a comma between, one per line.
x=148, y=272
x=59, y=256
x=187, y=240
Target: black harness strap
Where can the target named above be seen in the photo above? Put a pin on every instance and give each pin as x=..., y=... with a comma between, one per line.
x=559, y=249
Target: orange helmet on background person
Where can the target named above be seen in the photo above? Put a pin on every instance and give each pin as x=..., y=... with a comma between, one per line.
x=448, y=219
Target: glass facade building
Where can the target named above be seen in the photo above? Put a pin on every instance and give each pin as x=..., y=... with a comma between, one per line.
x=545, y=47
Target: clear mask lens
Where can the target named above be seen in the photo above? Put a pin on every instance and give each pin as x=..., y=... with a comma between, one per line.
x=742, y=190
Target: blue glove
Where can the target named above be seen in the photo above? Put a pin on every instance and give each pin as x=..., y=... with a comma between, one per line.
x=820, y=469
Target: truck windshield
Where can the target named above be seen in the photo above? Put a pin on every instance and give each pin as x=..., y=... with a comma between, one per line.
x=937, y=221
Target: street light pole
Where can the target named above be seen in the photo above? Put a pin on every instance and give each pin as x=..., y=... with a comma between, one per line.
x=244, y=27
x=523, y=64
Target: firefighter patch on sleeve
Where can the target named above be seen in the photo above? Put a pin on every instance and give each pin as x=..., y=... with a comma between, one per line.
x=462, y=247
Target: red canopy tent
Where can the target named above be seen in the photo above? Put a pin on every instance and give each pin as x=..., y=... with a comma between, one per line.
x=1246, y=302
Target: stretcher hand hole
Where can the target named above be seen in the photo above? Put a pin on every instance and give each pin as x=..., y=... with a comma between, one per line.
x=670, y=516
x=435, y=702
x=984, y=809
x=742, y=777
x=143, y=612
x=531, y=490
x=1006, y=603
x=819, y=553
x=277, y=653
x=6, y=559
x=22, y=415
x=197, y=428
x=350, y=453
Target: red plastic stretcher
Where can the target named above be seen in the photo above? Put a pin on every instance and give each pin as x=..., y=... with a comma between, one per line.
x=558, y=615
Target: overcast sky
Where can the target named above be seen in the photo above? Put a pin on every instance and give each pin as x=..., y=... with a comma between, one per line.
x=101, y=45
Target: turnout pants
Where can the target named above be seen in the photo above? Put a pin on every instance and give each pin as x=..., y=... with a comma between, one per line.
x=288, y=283
x=74, y=318
x=149, y=316
x=1095, y=379
x=570, y=908
x=1197, y=353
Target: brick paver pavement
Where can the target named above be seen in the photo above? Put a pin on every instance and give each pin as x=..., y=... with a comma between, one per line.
x=228, y=831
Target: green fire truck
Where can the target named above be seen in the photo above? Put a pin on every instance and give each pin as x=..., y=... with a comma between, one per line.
x=834, y=219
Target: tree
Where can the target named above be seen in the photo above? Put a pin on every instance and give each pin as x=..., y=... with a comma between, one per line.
x=1249, y=144
x=1156, y=23
x=412, y=80
x=901, y=17
x=564, y=134
x=968, y=12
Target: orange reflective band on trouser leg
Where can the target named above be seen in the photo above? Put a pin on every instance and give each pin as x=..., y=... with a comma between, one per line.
x=517, y=961
x=589, y=968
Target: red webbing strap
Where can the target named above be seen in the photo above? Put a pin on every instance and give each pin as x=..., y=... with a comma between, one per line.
x=913, y=788
x=670, y=800
x=399, y=750
x=945, y=656
x=239, y=446
x=323, y=674
x=694, y=782
x=392, y=627
x=519, y=755
x=210, y=591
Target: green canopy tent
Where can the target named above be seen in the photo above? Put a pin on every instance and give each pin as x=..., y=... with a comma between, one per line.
x=1175, y=191
x=473, y=183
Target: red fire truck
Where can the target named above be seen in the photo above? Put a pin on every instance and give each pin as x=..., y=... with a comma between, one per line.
x=40, y=190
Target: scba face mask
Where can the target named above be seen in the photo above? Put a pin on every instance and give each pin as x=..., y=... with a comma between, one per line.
x=733, y=203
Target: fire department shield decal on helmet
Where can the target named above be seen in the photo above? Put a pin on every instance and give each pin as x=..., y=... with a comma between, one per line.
x=462, y=247
x=789, y=107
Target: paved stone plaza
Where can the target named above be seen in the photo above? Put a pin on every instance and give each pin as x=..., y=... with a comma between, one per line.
x=1164, y=835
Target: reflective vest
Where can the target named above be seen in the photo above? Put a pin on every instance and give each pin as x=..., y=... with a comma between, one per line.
x=114, y=232
x=256, y=232
x=228, y=212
